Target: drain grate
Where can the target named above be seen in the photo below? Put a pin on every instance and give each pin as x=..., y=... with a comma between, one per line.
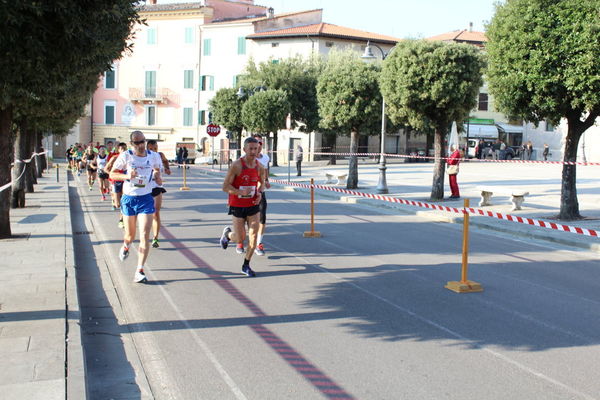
x=83, y=232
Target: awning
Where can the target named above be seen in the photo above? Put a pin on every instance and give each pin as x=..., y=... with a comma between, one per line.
x=507, y=128
x=482, y=131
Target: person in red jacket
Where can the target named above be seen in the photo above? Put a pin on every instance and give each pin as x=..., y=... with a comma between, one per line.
x=244, y=183
x=454, y=160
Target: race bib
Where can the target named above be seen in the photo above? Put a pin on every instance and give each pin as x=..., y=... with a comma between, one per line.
x=140, y=181
x=248, y=196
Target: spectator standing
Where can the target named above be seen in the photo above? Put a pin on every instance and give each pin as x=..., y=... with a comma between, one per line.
x=298, y=157
x=546, y=151
x=185, y=157
x=452, y=170
x=179, y=156
x=529, y=149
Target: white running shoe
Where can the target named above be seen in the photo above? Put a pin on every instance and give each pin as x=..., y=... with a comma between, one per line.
x=239, y=248
x=224, y=237
x=123, y=253
x=140, y=277
x=260, y=250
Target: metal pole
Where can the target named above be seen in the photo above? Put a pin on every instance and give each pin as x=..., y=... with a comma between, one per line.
x=312, y=233
x=57, y=168
x=289, y=156
x=382, y=184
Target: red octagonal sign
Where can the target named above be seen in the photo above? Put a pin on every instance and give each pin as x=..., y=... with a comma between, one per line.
x=213, y=130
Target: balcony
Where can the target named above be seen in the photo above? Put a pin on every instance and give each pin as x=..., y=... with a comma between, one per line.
x=149, y=95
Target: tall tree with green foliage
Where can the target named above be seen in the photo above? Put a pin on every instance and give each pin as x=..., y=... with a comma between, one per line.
x=41, y=44
x=544, y=63
x=226, y=108
x=265, y=112
x=350, y=101
x=427, y=85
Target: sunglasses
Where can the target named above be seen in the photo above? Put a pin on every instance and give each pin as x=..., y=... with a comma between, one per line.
x=138, y=141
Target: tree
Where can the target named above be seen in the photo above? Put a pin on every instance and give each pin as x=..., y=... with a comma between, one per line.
x=265, y=112
x=545, y=64
x=350, y=101
x=225, y=107
x=63, y=39
x=427, y=85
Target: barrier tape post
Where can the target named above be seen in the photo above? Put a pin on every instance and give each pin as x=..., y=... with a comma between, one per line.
x=57, y=168
x=184, y=187
x=465, y=285
x=312, y=233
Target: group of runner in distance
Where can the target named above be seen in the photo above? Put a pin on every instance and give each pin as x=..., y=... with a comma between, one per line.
x=136, y=187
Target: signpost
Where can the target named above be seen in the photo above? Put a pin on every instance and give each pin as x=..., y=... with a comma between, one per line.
x=213, y=130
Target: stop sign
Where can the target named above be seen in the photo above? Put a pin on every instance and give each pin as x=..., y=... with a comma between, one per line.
x=213, y=130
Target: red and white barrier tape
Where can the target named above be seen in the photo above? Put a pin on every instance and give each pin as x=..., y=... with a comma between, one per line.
x=4, y=187
x=472, y=211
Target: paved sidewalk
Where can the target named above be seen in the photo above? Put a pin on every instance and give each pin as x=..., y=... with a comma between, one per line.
x=412, y=181
x=40, y=342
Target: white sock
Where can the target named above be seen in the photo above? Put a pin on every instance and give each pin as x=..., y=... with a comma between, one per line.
x=260, y=238
x=140, y=267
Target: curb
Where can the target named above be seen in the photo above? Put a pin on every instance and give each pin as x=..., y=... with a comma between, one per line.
x=75, y=371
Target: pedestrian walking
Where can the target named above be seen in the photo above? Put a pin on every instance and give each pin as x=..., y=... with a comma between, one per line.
x=244, y=183
x=179, y=157
x=157, y=191
x=137, y=203
x=185, y=157
x=452, y=171
x=546, y=151
x=298, y=157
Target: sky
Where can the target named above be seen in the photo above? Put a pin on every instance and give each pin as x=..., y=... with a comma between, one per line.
x=398, y=18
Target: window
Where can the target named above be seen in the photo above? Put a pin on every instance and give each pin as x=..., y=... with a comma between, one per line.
x=187, y=116
x=274, y=61
x=150, y=84
x=483, y=102
x=204, y=117
x=207, y=46
x=110, y=79
x=236, y=80
x=110, y=107
x=188, y=79
x=150, y=115
x=151, y=36
x=188, y=35
x=328, y=44
x=275, y=44
x=241, y=45
x=549, y=126
x=207, y=82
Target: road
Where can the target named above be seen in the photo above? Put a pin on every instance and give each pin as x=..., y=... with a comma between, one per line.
x=360, y=313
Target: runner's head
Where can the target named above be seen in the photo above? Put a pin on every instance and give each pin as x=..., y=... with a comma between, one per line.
x=138, y=142
x=102, y=150
x=152, y=145
x=109, y=146
x=122, y=147
x=260, y=142
x=251, y=147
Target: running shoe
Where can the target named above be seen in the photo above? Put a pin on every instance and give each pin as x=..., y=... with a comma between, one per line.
x=91, y=188
x=103, y=198
x=260, y=250
x=246, y=270
x=121, y=224
x=239, y=248
x=155, y=243
x=139, y=276
x=225, y=238
x=113, y=207
x=123, y=253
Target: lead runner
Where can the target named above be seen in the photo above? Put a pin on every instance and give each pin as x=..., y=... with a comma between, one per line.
x=244, y=183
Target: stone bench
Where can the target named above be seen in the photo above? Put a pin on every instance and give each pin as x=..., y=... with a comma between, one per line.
x=337, y=177
x=517, y=195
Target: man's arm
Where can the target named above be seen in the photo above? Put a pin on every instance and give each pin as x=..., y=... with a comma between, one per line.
x=119, y=164
x=236, y=169
x=165, y=163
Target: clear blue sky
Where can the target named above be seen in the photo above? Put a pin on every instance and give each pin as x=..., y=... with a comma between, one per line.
x=398, y=18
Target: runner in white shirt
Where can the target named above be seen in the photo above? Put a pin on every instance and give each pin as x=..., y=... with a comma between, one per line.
x=264, y=160
x=137, y=204
x=158, y=190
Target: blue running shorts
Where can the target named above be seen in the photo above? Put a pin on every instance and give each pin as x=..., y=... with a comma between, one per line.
x=135, y=205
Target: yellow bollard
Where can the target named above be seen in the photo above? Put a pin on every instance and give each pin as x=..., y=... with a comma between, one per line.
x=465, y=285
x=184, y=187
x=312, y=233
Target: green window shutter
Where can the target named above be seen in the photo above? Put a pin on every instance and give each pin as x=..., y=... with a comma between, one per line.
x=151, y=117
x=188, y=79
x=187, y=116
x=109, y=115
x=241, y=45
x=150, y=84
x=151, y=35
x=189, y=35
x=207, y=46
x=203, y=82
x=210, y=120
x=274, y=61
x=201, y=117
x=235, y=79
x=109, y=79
x=212, y=83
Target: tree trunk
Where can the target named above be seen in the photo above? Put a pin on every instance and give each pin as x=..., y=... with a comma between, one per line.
x=30, y=178
x=569, y=206
x=352, y=182
x=437, y=188
x=5, y=160
x=275, y=145
x=18, y=175
x=41, y=160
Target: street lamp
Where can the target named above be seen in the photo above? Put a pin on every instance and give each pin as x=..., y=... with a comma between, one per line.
x=382, y=184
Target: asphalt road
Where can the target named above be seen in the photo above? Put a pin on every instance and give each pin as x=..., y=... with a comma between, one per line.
x=360, y=313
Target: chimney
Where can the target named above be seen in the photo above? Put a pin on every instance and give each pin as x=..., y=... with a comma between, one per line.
x=271, y=12
x=470, y=26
